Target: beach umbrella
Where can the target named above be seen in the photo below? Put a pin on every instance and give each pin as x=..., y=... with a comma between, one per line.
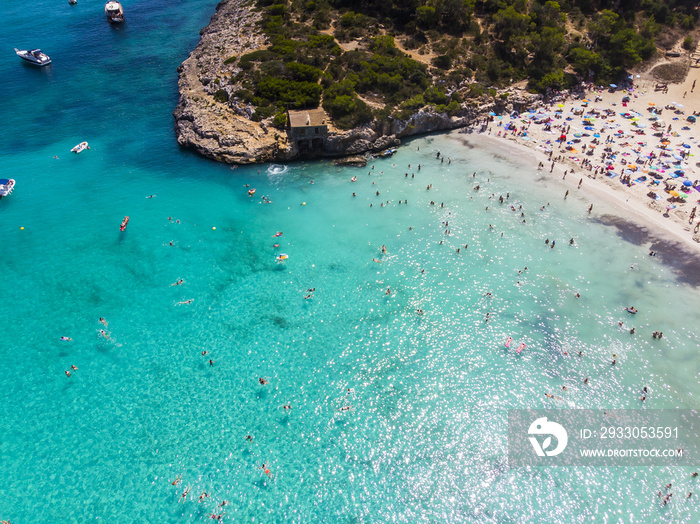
x=652, y=104
x=613, y=86
x=679, y=105
x=687, y=183
x=673, y=193
x=560, y=105
x=687, y=146
x=677, y=157
x=491, y=113
x=625, y=99
x=596, y=135
x=691, y=118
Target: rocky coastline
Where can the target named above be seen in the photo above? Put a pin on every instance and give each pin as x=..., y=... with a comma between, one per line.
x=209, y=120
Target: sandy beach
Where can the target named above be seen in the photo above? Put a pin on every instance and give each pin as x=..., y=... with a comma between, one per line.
x=641, y=163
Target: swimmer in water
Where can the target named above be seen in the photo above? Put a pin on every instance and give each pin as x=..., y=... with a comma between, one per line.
x=379, y=261
x=103, y=322
x=249, y=438
x=262, y=381
x=150, y=196
x=189, y=301
x=67, y=373
x=74, y=368
x=266, y=470
x=104, y=334
x=176, y=481
x=66, y=339
x=177, y=283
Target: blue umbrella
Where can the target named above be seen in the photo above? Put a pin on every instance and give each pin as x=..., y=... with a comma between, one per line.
x=678, y=157
x=491, y=113
x=589, y=128
x=596, y=135
x=679, y=172
x=687, y=146
x=687, y=183
x=613, y=86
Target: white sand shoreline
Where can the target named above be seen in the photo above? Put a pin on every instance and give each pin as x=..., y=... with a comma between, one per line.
x=672, y=230
x=629, y=207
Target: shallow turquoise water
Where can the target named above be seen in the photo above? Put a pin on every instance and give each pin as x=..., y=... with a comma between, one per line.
x=425, y=439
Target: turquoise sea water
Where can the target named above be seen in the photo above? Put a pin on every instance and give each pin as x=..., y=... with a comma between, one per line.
x=425, y=439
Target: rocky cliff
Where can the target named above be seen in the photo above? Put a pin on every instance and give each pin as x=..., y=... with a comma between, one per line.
x=215, y=124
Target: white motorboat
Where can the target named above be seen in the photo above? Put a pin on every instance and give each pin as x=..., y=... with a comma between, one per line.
x=6, y=186
x=82, y=146
x=114, y=12
x=35, y=56
x=72, y=2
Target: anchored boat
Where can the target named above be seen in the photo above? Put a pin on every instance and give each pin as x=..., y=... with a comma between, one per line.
x=35, y=56
x=114, y=12
x=6, y=186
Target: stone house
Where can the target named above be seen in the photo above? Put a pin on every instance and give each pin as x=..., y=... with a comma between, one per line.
x=308, y=129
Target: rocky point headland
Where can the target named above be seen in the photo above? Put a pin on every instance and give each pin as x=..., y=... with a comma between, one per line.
x=221, y=127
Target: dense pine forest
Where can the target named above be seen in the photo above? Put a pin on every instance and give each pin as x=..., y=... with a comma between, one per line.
x=367, y=59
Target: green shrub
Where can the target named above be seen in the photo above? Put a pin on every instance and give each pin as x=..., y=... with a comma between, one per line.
x=289, y=93
x=303, y=72
x=221, y=96
x=688, y=43
x=414, y=103
x=442, y=62
x=230, y=60
x=434, y=96
x=280, y=120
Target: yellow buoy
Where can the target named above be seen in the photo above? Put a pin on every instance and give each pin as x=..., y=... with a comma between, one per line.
x=22, y=228
x=214, y=228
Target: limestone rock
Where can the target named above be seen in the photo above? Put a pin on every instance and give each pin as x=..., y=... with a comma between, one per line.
x=354, y=160
x=222, y=127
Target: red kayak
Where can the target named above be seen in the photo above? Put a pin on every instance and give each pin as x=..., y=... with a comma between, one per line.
x=124, y=223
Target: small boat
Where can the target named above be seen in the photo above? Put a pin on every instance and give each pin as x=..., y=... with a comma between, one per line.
x=6, y=186
x=35, y=56
x=114, y=12
x=82, y=146
x=124, y=223
x=72, y=2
